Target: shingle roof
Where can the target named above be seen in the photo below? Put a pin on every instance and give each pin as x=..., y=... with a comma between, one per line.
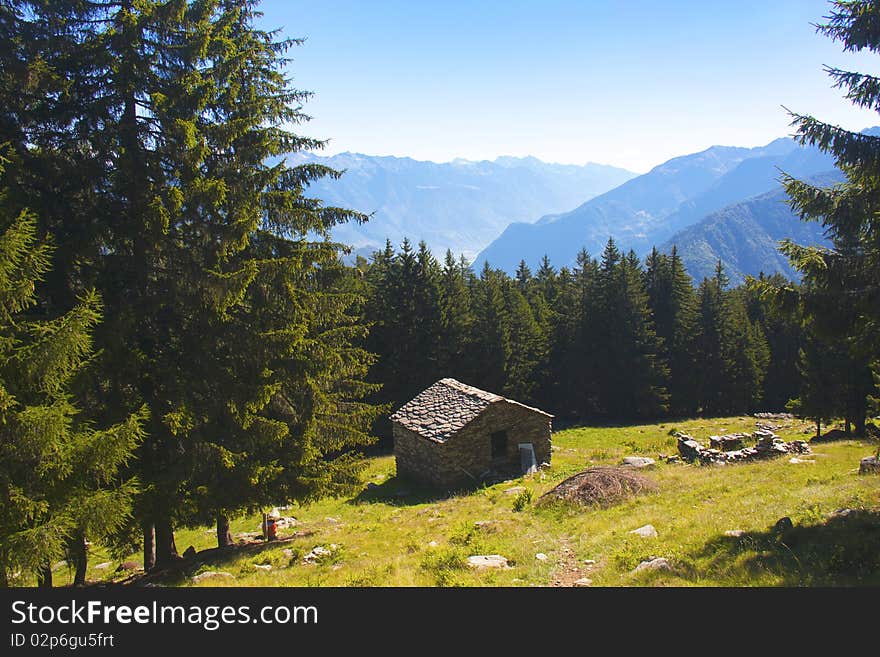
x=447, y=406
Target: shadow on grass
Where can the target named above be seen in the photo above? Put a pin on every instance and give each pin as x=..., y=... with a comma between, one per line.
x=841, y=551
x=210, y=559
x=401, y=491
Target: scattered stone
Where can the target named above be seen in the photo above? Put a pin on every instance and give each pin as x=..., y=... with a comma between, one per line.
x=486, y=525
x=283, y=523
x=514, y=490
x=783, y=524
x=647, y=531
x=582, y=582
x=263, y=566
x=736, y=533
x=589, y=562
x=331, y=520
x=541, y=556
x=319, y=552
x=481, y=561
x=103, y=566
x=774, y=416
x=658, y=563
x=288, y=553
x=638, y=461
x=673, y=459
x=728, y=443
x=796, y=460
x=433, y=544
x=767, y=445
x=842, y=513
x=211, y=574
x=189, y=553
x=869, y=465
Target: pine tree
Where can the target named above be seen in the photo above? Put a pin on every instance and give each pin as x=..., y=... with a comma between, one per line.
x=456, y=320
x=151, y=166
x=59, y=482
x=491, y=335
x=673, y=309
x=630, y=371
x=840, y=289
x=819, y=398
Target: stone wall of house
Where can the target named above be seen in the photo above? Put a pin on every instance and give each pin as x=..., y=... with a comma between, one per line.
x=466, y=456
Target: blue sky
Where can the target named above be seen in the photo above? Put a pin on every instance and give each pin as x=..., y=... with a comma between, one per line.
x=629, y=83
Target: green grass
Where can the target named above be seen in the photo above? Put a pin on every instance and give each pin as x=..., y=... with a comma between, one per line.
x=397, y=534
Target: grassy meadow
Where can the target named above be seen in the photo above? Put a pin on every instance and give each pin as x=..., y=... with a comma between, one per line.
x=393, y=533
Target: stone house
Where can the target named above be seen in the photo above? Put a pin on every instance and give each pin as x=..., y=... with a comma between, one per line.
x=453, y=434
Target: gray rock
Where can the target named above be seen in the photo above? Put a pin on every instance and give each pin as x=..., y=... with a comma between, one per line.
x=869, y=465
x=659, y=563
x=483, y=561
x=736, y=533
x=211, y=574
x=263, y=566
x=541, y=556
x=103, y=566
x=582, y=582
x=638, y=461
x=514, y=490
x=647, y=531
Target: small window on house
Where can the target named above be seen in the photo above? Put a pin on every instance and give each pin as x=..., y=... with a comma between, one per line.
x=499, y=444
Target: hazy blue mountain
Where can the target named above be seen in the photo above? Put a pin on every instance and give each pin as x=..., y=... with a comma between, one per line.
x=461, y=205
x=649, y=209
x=746, y=236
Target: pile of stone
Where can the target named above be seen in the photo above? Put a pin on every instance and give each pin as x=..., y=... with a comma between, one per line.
x=728, y=442
x=774, y=416
x=767, y=445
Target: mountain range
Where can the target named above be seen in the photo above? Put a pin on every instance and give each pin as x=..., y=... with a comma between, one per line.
x=722, y=203
x=460, y=205
x=650, y=209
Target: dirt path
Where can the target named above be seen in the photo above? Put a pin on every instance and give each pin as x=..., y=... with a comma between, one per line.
x=569, y=570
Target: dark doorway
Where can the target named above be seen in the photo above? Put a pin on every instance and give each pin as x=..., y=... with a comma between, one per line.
x=499, y=445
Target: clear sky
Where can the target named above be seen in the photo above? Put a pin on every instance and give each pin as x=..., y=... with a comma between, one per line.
x=630, y=83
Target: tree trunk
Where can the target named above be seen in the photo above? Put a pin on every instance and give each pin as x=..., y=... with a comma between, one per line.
x=166, y=550
x=859, y=424
x=79, y=553
x=44, y=576
x=149, y=546
x=224, y=536
x=846, y=427
x=818, y=428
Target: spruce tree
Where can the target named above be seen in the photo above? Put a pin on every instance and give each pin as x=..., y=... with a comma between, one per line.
x=630, y=370
x=59, y=475
x=159, y=167
x=840, y=289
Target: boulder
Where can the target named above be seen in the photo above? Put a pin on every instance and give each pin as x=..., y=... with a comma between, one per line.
x=211, y=574
x=482, y=561
x=658, y=563
x=689, y=448
x=869, y=465
x=638, y=462
x=647, y=531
